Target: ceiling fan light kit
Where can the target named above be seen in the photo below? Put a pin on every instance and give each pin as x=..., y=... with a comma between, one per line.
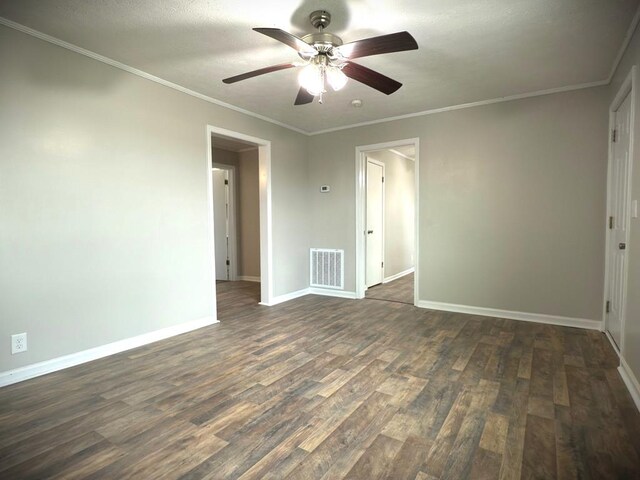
x=327, y=60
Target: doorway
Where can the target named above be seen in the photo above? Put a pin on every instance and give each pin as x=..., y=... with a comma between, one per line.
x=618, y=211
x=240, y=220
x=386, y=221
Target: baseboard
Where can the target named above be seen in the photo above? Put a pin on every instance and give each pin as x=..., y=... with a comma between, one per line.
x=630, y=381
x=42, y=368
x=286, y=297
x=398, y=275
x=332, y=293
x=248, y=278
x=527, y=317
x=612, y=342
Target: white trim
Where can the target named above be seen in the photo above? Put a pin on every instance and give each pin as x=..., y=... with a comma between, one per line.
x=211, y=255
x=140, y=73
x=332, y=293
x=114, y=63
x=266, y=231
x=628, y=87
x=233, y=238
x=625, y=44
x=71, y=360
x=361, y=159
x=248, y=278
x=398, y=275
x=550, y=91
x=611, y=341
x=264, y=181
x=286, y=297
x=524, y=316
x=630, y=381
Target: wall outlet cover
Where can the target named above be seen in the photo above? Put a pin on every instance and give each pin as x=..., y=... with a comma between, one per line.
x=18, y=343
x=325, y=188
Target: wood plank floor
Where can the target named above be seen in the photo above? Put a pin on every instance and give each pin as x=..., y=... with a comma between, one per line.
x=399, y=290
x=326, y=388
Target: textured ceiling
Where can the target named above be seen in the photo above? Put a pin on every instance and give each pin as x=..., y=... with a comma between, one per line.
x=470, y=50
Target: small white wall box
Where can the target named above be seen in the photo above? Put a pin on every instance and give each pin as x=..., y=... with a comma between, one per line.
x=324, y=188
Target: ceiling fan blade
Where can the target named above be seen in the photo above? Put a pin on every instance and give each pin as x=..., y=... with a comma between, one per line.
x=260, y=71
x=303, y=97
x=371, y=78
x=288, y=39
x=394, y=42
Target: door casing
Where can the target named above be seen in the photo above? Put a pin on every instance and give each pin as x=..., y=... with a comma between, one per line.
x=629, y=87
x=361, y=166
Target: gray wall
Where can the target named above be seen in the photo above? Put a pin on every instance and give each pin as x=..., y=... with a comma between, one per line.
x=103, y=187
x=512, y=197
x=632, y=326
x=399, y=211
x=249, y=224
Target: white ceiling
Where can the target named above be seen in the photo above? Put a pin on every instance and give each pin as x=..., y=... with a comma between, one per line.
x=470, y=50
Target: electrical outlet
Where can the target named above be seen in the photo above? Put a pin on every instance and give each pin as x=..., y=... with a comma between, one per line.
x=18, y=343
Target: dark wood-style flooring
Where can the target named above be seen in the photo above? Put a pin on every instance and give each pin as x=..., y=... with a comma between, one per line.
x=326, y=388
x=399, y=290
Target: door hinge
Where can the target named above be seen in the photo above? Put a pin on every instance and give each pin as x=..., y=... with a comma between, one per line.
x=382, y=265
x=608, y=306
x=226, y=182
x=610, y=223
x=614, y=135
x=382, y=179
x=228, y=262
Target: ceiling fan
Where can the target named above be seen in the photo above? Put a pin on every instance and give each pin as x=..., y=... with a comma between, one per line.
x=327, y=60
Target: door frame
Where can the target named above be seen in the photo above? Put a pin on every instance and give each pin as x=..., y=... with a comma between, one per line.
x=361, y=170
x=232, y=249
x=628, y=87
x=266, y=237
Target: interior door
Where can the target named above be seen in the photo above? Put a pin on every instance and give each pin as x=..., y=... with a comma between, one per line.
x=375, y=223
x=221, y=221
x=618, y=186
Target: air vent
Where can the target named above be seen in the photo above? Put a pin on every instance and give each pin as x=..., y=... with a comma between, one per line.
x=327, y=268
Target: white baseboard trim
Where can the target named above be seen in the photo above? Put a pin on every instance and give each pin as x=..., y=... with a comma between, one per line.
x=630, y=381
x=248, y=278
x=48, y=366
x=332, y=293
x=612, y=342
x=524, y=316
x=398, y=275
x=286, y=297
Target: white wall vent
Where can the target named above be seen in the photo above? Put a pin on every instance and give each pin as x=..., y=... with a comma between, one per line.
x=327, y=268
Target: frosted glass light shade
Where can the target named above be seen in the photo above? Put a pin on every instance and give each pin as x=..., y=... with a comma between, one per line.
x=336, y=78
x=311, y=79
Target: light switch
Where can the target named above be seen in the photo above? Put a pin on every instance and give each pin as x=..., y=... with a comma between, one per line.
x=325, y=188
x=634, y=209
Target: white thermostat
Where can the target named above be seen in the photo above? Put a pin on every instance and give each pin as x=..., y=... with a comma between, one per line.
x=324, y=188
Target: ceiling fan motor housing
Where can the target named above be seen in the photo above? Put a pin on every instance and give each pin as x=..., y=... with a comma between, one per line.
x=320, y=19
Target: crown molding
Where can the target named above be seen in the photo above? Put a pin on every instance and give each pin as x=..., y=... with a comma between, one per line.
x=462, y=106
x=625, y=44
x=166, y=83
x=114, y=63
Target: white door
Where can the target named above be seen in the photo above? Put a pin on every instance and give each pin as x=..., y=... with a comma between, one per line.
x=618, y=213
x=375, y=223
x=221, y=221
